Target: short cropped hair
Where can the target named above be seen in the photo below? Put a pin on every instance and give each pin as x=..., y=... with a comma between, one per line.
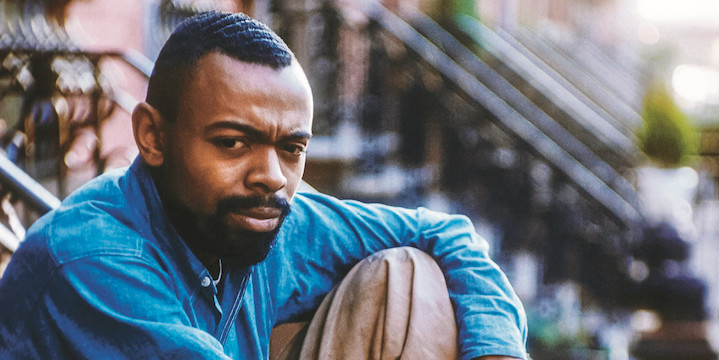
x=233, y=34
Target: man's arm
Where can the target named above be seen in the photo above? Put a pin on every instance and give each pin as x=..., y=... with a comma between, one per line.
x=491, y=319
x=330, y=236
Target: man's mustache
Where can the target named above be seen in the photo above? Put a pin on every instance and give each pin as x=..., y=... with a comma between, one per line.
x=239, y=203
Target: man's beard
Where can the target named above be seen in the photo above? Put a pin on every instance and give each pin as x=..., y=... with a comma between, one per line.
x=212, y=235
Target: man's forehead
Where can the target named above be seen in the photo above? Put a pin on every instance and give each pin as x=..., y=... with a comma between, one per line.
x=223, y=88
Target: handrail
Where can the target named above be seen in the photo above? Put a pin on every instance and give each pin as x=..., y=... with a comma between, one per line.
x=606, y=68
x=8, y=239
x=30, y=191
x=485, y=74
x=509, y=118
x=584, y=116
x=142, y=64
x=574, y=75
x=137, y=60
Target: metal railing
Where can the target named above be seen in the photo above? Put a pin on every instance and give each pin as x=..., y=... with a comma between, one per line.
x=592, y=120
x=532, y=112
x=575, y=76
x=22, y=187
x=511, y=109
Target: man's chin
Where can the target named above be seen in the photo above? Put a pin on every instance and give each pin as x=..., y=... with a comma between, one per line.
x=246, y=229
x=249, y=250
x=241, y=247
x=221, y=235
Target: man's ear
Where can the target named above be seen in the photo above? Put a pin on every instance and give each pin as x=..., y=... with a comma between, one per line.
x=148, y=128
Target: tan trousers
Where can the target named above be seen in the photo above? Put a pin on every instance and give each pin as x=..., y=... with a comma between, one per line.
x=392, y=305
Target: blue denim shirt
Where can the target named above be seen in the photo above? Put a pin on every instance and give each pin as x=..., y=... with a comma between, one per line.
x=106, y=276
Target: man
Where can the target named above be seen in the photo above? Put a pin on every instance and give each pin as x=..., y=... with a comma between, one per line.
x=203, y=245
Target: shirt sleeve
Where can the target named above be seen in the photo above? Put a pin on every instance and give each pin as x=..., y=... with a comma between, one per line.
x=328, y=236
x=115, y=306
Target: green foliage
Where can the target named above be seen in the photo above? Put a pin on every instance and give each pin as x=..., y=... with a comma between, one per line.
x=450, y=9
x=465, y=7
x=667, y=137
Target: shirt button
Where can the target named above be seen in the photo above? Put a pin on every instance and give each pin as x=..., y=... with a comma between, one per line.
x=206, y=281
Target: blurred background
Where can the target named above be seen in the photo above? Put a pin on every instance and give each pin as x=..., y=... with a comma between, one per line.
x=581, y=137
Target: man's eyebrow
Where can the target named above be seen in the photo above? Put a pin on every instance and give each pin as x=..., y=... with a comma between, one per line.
x=254, y=132
x=232, y=125
x=299, y=135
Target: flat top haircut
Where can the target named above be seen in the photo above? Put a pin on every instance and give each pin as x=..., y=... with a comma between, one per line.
x=232, y=34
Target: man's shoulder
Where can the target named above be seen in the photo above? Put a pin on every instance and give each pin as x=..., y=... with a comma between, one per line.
x=325, y=202
x=316, y=207
x=320, y=202
x=313, y=208
x=316, y=204
x=96, y=218
x=107, y=187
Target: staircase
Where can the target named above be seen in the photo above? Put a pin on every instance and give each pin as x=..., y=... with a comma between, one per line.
x=532, y=103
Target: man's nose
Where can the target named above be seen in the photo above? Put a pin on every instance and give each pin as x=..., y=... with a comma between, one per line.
x=266, y=171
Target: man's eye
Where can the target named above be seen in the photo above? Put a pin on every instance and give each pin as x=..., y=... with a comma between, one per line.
x=296, y=150
x=229, y=143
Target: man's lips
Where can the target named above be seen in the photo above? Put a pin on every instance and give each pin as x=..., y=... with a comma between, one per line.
x=257, y=219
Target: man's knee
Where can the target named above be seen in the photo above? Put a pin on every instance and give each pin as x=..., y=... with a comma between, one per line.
x=399, y=291
x=404, y=253
x=402, y=265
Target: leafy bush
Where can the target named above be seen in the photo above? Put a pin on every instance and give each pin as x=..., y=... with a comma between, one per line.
x=667, y=137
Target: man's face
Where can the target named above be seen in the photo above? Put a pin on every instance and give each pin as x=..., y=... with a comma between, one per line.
x=235, y=155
